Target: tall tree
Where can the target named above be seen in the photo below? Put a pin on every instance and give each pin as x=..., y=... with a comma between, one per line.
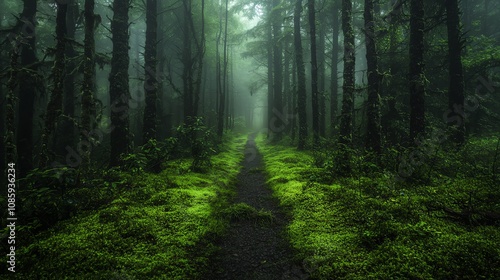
x=301, y=76
x=54, y=107
x=417, y=79
x=88, y=76
x=66, y=128
x=373, y=137
x=150, y=68
x=456, y=88
x=277, y=110
x=270, y=70
x=348, y=86
x=119, y=91
x=27, y=87
x=314, y=71
x=321, y=73
x=222, y=86
x=334, y=83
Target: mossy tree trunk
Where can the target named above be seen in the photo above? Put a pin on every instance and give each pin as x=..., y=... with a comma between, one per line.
x=334, y=83
x=270, y=70
x=314, y=71
x=301, y=76
x=417, y=78
x=373, y=134
x=150, y=67
x=88, y=107
x=54, y=107
x=119, y=91
x=346, y=118
x=456, y=95
x=27, y=87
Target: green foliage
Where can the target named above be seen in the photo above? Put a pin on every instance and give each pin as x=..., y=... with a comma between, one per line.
x=200, y=140
x=374, y=226
x=156, y=226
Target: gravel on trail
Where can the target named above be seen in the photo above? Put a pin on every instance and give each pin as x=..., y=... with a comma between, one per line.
x=253, y=249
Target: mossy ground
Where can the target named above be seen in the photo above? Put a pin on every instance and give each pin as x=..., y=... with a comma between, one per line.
x=161, y=227
x=376, y=227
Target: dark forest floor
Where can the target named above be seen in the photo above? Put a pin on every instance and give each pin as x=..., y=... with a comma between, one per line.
x=256, y=248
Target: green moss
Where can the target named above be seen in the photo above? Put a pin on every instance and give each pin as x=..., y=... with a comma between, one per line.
x=377, y=228
x=159, y=227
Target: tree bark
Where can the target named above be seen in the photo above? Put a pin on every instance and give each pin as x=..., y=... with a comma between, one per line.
x=27, y=89
x=322, y=74
x=277, y=109
x=88, y=87
x=314, y=72
x=373, y=137
x=417, y=79
x=301, y=76
x=456, y=117
x=334, y=83
x=348, y=86
x=119, y=81
x=150, y=67
x=54, y=107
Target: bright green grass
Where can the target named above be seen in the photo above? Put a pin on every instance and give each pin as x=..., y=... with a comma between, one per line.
x=159, y=229
x=372, y=228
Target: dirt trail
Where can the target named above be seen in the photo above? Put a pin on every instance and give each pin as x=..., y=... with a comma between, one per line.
x=254, y=249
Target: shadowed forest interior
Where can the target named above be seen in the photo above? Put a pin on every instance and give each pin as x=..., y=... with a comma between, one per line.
x=250, y=139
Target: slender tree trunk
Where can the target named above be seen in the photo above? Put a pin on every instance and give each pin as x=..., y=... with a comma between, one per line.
x=301, y=76
x=270, y=72
x=417, y=79
x=286, y=84
x=222, y=97
x=88, y=87
x=334, y=83
x=54, y=107
x=322, y=75
x=220, y=92
x=346, y=120
x=373, y=137
x=150, y=67
x=27, y=89
x=314, y=71
x=187, y=61
x=456, y=118
x=277, y=125
x=119, y=81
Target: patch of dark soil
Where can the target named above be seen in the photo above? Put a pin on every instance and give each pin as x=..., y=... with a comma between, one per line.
x=254, y=249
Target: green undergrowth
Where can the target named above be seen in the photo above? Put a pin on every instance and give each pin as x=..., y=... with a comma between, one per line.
x=380, y=228
x=159, y=228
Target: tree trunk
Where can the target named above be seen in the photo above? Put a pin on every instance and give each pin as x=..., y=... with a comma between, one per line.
x=27, y=89
x=277, y=109
x=119, y=81
x=346, y=119
x=88, y=109
x=373, y=138
x=321, y=74
x=54, y=107
x=150, y=67
x=10, y=108
x=334, y=83
x=66, y=131
x=222, y=97
x=417, y=79
x=456, y=117
x=314, y=71
x=270, y=71
x=301, y=76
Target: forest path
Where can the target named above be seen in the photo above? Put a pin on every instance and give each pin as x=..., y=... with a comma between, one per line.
x=256, y=249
